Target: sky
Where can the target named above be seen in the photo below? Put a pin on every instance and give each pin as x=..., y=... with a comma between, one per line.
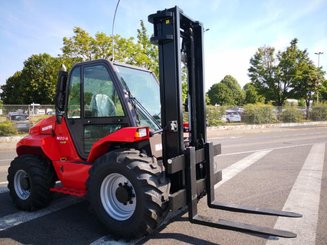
x=236, y=28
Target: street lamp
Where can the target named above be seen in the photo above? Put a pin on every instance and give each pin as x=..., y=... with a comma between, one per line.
x=112, y=32
x=319, y=53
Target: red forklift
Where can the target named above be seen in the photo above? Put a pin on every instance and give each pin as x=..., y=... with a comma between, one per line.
x=118, y=139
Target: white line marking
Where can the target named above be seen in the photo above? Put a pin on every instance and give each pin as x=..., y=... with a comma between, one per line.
x=266, y=149
x=109, y=240
x=304, y=198
x=239, y=166
x=20, y=217
x=4, y=183
x=6, y=160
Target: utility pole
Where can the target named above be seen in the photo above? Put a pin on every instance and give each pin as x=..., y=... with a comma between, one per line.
x=318, y=54
x=112, y=32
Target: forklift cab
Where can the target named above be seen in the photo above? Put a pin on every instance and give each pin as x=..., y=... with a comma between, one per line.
x=98, y=98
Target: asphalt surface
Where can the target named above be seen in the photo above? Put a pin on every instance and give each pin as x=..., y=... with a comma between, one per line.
x=268, y=168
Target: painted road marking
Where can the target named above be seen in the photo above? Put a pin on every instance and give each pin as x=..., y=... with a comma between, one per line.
x=228, y=173
x=304, y=198
x=109, y=240
x=20, y=217
x=6, y=160
x=241, y=165
x=266, y=149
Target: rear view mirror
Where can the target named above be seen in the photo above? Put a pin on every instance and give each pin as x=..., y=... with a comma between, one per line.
x=61, y=93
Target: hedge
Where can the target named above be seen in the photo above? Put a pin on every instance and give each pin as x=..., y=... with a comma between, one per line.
x=291, y=114
x=7, y=128
x=214, y=115
x=319, y=112
x=259, y=114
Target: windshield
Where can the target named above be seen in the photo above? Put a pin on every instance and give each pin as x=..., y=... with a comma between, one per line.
x=144, y=88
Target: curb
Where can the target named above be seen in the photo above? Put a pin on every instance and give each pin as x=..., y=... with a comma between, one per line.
x=15, y=139
x=10, y=139
x=264, y=126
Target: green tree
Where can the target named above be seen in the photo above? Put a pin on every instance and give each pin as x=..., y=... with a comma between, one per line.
x=251, y=94
x=147, y=56
x=289, y=74
x=306, y=83
x=220, y=94
x=263, y=75
x=226, y=92
x=323, y=90
x=39, y=78
x=236, y=90
x=85, y=47
x=299, y=74
x=12, y=90
x=36, y=82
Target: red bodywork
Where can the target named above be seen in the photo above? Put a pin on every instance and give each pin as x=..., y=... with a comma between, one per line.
x=54, y=141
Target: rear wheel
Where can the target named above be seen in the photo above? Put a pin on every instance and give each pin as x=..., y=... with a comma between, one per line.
x=29, y=182
x=129, y=193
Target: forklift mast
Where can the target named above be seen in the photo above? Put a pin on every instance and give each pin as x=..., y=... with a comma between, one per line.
x=190, y=166
x=176, y=35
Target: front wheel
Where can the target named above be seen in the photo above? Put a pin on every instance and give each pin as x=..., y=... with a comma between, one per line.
x=29, y=182
x=128, y=192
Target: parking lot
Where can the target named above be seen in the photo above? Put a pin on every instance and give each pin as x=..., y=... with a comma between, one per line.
x=281, y=168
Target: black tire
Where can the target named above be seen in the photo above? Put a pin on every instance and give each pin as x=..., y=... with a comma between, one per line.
x=141, y=190
x=29, y=182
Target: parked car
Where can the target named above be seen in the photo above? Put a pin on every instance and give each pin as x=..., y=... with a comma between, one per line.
x=21, y=122
x=231, y=116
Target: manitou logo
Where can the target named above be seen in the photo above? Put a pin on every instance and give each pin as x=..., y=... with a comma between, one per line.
x=46, y=128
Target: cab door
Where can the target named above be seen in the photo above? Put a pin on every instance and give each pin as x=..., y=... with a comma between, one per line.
x=94, y=105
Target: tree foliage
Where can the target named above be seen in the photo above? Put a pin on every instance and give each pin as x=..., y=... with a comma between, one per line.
x=287, y=74
x=140, y=53
x=12, y=89
x=263, y=74
x=251, y=94
x=226, y=92
x=36, y=82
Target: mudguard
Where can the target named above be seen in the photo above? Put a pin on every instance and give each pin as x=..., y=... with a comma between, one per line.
x=123, y=135
x=49, y=139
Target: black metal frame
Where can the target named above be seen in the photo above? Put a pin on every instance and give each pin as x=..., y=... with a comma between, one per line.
x=191, y=167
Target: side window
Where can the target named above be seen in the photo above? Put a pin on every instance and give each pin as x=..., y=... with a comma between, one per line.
x=74, y=107
x=100, y=96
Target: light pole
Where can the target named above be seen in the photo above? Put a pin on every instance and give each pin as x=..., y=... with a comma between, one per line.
x=319, y=53
x=112, y=32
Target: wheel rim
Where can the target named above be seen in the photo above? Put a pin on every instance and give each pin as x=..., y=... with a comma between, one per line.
x=22, y=184
x=118, y=196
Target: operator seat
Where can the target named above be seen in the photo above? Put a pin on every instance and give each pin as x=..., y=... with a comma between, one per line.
x=102, y=106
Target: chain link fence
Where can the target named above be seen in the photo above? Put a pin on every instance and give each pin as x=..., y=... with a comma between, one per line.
x=30, y=110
